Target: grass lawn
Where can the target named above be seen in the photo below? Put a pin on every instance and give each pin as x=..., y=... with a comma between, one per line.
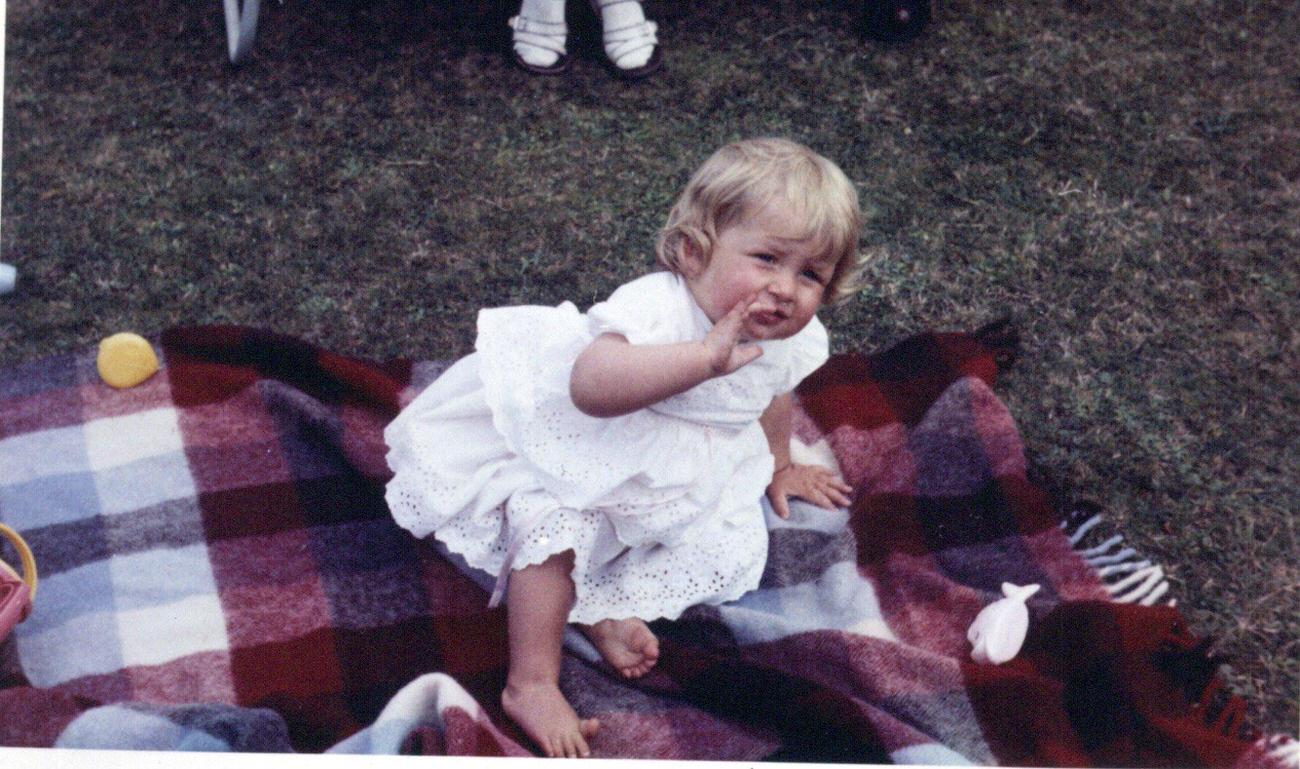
x=1123, y=177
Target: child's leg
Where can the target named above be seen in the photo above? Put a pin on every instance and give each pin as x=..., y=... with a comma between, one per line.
x=626, y=644
x=538, y=599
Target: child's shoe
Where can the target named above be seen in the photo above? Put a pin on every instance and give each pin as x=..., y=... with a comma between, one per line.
x=630, y=40
x=539, y=36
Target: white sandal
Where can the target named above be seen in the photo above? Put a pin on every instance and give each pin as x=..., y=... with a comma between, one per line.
x=547, y=35
x=623, y=42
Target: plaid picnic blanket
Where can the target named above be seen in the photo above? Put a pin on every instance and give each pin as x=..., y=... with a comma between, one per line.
x=219, y=572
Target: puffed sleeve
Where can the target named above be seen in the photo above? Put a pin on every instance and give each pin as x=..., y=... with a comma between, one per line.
x=808, y=350
x=645, y=311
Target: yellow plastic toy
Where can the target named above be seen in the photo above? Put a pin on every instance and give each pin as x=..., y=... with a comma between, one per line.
x=126, y=360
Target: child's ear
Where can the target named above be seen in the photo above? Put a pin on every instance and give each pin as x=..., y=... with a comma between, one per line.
x=691, y=257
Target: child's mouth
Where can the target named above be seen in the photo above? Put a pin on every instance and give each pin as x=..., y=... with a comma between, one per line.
x=767, y=317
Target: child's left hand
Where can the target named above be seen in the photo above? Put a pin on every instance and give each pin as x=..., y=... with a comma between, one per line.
x=815, y=484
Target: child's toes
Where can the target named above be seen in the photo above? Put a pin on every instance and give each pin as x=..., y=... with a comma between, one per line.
x=575, y=746
x=637, y=670
x=647, y=642
x=588, y=727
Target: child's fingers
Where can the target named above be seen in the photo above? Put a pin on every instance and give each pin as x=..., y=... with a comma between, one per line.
x=830, y=491
x=726, y=331
x=820, y=488
x=834, y=486
x=736, y=315
x=838, y=497
x=580, y=747
x=830, y=479
x=747, y=353
x=779, y=504
x=735, y=318
x=812, y=496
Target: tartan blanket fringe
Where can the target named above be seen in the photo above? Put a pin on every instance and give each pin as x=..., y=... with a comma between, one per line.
x=1129, y=576
x=219, y=572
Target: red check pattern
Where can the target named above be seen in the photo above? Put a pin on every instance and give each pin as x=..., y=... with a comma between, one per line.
x=260, y=569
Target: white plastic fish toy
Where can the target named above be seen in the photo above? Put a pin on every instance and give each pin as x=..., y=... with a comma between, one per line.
x=999, y=629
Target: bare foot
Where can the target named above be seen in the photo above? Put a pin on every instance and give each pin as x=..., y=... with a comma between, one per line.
x=626, y=644
x=548, y=718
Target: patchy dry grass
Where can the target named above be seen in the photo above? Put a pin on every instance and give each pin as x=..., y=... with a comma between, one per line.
x=1123, y=176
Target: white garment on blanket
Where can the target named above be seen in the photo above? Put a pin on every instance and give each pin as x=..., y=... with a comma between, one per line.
x=661, y=506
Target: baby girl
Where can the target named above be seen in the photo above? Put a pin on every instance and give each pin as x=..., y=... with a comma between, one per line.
x=609, y=467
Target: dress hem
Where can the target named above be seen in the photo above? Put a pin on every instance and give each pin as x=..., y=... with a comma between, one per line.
x=579, y=614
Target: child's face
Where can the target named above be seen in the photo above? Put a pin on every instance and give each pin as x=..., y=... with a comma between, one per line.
x=762, y=255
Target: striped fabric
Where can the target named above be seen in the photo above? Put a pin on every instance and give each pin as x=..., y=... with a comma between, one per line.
x=219, y=572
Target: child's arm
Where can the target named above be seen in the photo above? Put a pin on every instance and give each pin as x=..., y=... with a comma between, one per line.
x=815, y=484
x=776, y=421
x=612, y=377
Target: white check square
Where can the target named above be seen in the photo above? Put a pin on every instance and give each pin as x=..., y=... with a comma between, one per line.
x=28, y=456
x=160, y=577
x=115, y=441
x=144, y=483
x=84, y=645
x=159, y=634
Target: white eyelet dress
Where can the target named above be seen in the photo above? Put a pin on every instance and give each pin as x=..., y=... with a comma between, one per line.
x=661, y=507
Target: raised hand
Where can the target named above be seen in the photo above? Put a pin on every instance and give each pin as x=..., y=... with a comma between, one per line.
x=726, y=352
x=815, y=484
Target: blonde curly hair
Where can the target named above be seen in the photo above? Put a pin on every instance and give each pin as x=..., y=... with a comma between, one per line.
x=742, y=178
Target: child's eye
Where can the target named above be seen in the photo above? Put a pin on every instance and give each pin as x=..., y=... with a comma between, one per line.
x=814, y=276
x=765, y=258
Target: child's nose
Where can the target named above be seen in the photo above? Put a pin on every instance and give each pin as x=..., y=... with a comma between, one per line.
x=782, y=286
